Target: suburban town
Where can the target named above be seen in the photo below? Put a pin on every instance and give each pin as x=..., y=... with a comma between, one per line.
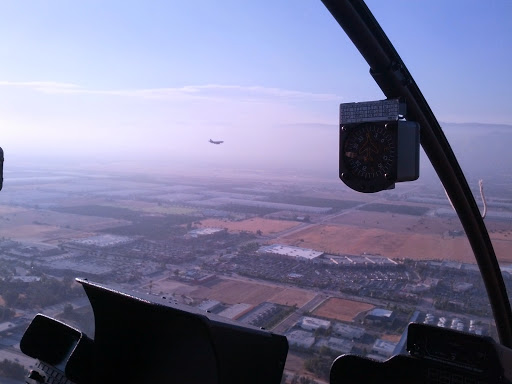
x=334, y=271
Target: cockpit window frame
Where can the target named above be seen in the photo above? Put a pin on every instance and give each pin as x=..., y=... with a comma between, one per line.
x=395, y=81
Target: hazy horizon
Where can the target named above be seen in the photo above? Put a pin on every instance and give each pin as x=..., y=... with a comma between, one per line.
x=150, y=84
x=159, y=80
x=317, y=155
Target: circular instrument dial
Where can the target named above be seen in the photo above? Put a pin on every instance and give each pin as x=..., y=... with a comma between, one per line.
x=370, y=151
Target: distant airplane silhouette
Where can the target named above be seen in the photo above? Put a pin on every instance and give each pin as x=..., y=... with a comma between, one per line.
x=216, y=141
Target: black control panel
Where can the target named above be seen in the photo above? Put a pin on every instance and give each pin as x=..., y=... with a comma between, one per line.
x=44, y=373
x=146, y=339
x=435, y=356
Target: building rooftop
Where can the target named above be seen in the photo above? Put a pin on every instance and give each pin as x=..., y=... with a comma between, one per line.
x=204, y=231
x=349, y=331
x=208, y=305
x=236, y=310
x=340, y=345
x=5, y=326
x=288, y=250
x=106, y=240
x=302, y=338
x=380, y=312
x=314, y=323
x=27, y=279
x=383, y=347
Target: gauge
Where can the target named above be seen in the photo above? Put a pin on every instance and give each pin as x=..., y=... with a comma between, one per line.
x=368, y=153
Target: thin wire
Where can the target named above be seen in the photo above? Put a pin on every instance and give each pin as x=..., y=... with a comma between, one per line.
x=481, y=186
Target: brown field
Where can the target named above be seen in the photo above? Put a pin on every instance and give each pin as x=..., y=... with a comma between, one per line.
x=503, y=249
x=234, y=291
x=344, y=239
x=398, y=223
x=341, y=309
x=427, y=239
x=289, y=296
x=392, y=338
x=502, y=235
x=168, y=287
x=266, y=226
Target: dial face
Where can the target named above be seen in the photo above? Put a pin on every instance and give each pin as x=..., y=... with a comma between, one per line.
x=370, y=151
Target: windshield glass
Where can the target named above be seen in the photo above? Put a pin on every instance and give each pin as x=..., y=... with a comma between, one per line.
x=190, y=150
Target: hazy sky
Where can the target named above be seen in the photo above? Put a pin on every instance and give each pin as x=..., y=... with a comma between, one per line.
x=160, y=78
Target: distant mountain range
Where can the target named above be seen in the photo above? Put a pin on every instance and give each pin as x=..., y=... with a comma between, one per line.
x=478, y=126
x=483, y=149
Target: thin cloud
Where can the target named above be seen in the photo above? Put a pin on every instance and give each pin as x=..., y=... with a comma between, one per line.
x=266, y=91
x=41, y=86
x=208, y=91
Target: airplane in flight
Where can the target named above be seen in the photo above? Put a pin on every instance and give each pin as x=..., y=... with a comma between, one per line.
x=216, y=141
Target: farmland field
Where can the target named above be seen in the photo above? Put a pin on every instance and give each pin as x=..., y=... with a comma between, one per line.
x=234, y=291
x=346, y=239
x=41, y=233
x=341, y=309
x=266, y=226
x=289, y=296
x=153, y=208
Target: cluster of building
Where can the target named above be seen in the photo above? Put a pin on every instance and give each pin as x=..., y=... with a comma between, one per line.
x=319, y=272
x=452, y=286
x=104, y=240
x=322, y=257
x=455, y=323
x=115, y=257
x=262, y=315
x=288, y=250
x=312, y=333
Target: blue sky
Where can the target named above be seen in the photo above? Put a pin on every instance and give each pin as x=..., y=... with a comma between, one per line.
x=162, y=77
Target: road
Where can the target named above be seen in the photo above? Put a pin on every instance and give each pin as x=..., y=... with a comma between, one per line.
x=292, y=319
x=327, y=218
x=323, y=220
